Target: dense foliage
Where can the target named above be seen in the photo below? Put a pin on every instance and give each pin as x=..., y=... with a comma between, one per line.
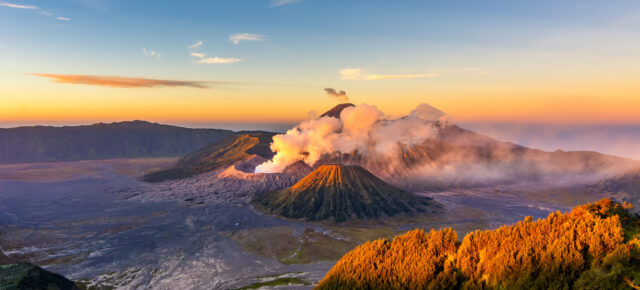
x=595, y=246
x=102, y=141
x=28, y=276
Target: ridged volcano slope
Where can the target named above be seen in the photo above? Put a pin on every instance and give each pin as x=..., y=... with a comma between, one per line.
x=216, y=156
x=342, y=192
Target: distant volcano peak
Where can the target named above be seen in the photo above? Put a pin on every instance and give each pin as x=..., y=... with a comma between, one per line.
x=335, y=111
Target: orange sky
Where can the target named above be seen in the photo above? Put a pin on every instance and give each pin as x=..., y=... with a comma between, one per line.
x=38, y=100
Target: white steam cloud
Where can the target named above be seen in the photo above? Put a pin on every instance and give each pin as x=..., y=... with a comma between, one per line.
x=363, y=129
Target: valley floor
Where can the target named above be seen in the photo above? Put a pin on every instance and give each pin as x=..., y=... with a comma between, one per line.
x=94, y=222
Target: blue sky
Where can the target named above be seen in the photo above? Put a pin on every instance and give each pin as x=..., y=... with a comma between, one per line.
x=107, y=36
x=477, y=60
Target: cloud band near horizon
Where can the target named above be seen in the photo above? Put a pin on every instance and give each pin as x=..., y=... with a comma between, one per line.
x=119, y=82
x=356, y=74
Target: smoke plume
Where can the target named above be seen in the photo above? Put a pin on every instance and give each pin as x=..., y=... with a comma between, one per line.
x=341, y=95
x=420, y=152
x=363, y=129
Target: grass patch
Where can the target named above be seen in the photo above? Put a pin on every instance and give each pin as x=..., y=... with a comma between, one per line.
x=291, y=245
x=277, y=282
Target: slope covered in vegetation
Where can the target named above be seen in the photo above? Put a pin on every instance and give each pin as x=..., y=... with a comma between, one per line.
x=28, y=276
x=595, y=246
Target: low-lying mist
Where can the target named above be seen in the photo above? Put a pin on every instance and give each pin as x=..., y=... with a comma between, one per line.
x=616, y=139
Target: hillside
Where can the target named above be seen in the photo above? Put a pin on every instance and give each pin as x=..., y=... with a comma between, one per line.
x=595, y=246
x=339, y=193
x=219, y=155
x=28, y=276
x=624, y=187
x=102, y=141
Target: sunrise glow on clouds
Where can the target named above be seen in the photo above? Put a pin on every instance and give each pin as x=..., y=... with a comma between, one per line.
x=118, y=82
x=356, y=74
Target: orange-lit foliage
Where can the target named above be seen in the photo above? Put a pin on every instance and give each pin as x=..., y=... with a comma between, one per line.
x=595, y=246
x=414, y=260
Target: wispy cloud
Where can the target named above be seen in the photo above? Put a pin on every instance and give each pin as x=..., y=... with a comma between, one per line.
x=236, y=38
x=341, y=95
x=219, y=60
x=356, y=74
x=151, y=53
x=119, y=82
x=351, y=74
x=11, y=5
x=31, y=7
x=398, y=77
x=196, y=44
x=213, y=60
x=198, y=54
x=276, y=3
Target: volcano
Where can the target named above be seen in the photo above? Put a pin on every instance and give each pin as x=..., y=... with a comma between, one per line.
x=340, y=193
x=335, y=111
x=232, y=150
x=454, y=157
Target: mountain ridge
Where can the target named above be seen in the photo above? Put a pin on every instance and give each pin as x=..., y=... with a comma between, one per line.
x=129, y=139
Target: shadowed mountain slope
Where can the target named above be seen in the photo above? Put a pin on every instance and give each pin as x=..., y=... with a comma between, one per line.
x=624, y=187
x=102, y=141
x=339, y=193
x=628, y=182
x=28, y=276
x=4, y=260
x=219, y=155
x=335, y=111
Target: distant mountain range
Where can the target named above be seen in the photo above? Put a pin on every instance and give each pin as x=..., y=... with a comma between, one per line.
x=102, y=141
x=454, y=158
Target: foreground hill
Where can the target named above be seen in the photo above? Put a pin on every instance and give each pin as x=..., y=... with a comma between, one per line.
x=28, y=276
x=339, y=193
x=227, y=152
x=595, y=246
x=102, y=141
